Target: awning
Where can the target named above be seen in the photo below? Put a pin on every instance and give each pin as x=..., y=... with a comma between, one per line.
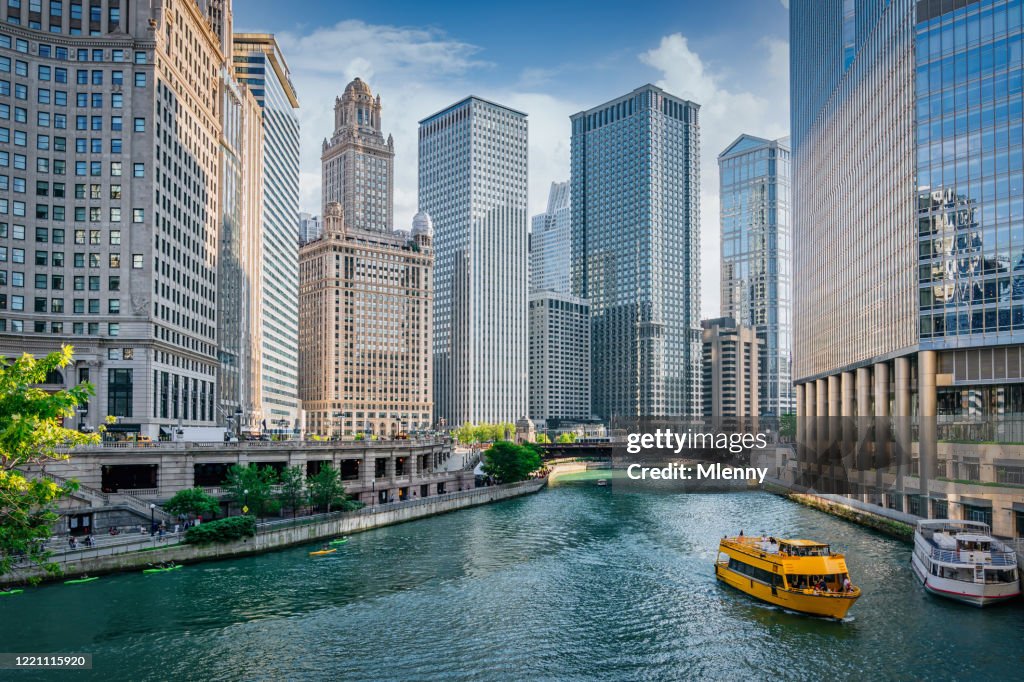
x=124, y=428
x=976, y=502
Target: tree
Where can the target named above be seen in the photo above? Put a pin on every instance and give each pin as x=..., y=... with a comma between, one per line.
x=325, y=488
x=543, y=439
x=787, y=426
x=504, y=431
x=32, y=434
x=566, y=437
x=194, y=502
x=251, y=486
x=465, y=434
x=508, y=462
x=293, y=488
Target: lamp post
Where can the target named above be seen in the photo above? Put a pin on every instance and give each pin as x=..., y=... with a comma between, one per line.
x=152, y=519
x=245, y=507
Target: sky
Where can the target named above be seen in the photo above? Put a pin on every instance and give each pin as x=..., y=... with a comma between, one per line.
x=549, y=60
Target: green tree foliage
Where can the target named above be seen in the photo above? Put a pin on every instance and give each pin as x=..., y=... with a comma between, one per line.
x=293, y=488
x=32, y=434
x=325, y=488
x=257, y=481
x=787, y=426
x=508, y=462
x=222, y=530
x=543, y=439
x=567, y=437
x=193, y=501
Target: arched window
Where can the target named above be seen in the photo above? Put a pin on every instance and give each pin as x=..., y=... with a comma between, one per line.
x=54, y=377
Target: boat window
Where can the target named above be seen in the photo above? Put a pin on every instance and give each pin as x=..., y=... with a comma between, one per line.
x=755, y=572
x=833, y=581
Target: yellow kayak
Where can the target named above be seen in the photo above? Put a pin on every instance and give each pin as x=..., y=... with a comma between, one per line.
x=321, y=552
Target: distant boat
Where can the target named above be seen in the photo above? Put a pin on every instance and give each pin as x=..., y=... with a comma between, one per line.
x=960, y=560
x=321, y=552
x=4, y=593
x=339, y=541
x=162, y=569
x=80, y=580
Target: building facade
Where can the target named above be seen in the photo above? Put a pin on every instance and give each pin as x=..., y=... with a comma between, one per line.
x=636, y=251
x=260, y=67
x=473, y=183
x=365, y=316
x=559, y=357
x=731, y=372
x=906, y=115
x=358, y=163
x=310, y=227
x=757, y=258
x=110, y=213
x=550, y=243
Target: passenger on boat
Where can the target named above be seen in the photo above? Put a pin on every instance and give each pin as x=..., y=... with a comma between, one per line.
x=847, y=585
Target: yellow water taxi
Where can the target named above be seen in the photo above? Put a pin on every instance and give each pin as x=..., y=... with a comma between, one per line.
x=800, y=575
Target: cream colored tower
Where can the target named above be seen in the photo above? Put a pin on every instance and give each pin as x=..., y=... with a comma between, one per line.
x=365, y=327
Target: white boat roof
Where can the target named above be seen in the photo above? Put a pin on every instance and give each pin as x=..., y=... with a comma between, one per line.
x=952, y=524
x=972, y=537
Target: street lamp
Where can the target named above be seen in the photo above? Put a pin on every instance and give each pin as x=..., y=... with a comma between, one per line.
x=245, y=510
x=152, y=519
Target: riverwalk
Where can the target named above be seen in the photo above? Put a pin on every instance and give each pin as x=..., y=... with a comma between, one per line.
x=121, y=553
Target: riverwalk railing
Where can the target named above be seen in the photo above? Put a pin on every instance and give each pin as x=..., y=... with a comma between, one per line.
x=950, y=556
x=257, y=444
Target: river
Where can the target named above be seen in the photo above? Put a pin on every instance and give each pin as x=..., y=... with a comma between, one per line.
x=573, y=583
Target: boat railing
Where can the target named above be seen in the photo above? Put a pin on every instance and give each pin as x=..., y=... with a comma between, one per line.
x=950, y=556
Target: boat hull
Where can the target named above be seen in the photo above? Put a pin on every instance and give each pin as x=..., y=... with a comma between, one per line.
x=802, y=601
x=975, y=594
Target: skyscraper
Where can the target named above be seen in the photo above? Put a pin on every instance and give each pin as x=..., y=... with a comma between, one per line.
x=473, y=183
x=757, y=259
x=358, y=163
x=559, y=357
x=550, y=242
x=260, y=66
x=365, y=306
x=636, y=251
x=117, y=250
x=907, y=177
x=310, y=227
x=730, y=369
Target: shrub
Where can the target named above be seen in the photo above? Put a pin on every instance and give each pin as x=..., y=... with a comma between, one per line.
x=222, y=530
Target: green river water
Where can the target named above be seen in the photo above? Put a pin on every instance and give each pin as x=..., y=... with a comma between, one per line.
x=573, y=583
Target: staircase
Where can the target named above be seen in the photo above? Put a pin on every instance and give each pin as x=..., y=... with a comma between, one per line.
x=96, y=498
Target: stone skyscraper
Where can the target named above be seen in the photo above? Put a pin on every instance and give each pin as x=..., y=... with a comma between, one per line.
x=358, y=163
x=117, y=248
x=757, y=258
x=473, y=183
x=636, y=251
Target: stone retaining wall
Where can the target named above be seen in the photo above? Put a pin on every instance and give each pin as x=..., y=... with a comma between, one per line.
x=276, y=538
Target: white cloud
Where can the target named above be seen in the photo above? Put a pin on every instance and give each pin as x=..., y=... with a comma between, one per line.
x=785, y=3
x=416, y=72
x=725, y=114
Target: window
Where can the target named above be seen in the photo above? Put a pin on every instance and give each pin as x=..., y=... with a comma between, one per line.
x=138, y=215
x=140, y=125
x=116, y=123
x=139, y=170
x=115, y=169
x=137, y=261
x=117, y=77
x=114, y=306
x=140, y=80
x=119, y=390
x=140, y=57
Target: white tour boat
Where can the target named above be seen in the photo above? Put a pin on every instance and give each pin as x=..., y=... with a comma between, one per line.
x=961, y=560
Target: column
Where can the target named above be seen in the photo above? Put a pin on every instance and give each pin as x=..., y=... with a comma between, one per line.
x=801, y=430
x=901, y=422
x=926, y=413
x=882, y=437
x=834, y=434
x=864, y=421
x=848, y=433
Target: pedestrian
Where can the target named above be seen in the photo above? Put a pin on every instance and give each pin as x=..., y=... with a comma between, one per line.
x=177, y=528
x=160, y=529
x=72, y=543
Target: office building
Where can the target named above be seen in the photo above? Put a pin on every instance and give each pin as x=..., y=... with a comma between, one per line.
x=261, y=68
x=731, y=372
x=906, y=183
x=550, y=243
x=636, y=251
x=310, y=227
x=365, y=309
x=757, y=258
x=358, y=163
x=473, y=183
x=110, y=214
x=559, y=358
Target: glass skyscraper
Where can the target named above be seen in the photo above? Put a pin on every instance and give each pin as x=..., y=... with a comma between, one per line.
x=636, y=251
x=259, y=64
x=756, y=269
x=908, y=179
x=473, y=183
x=550, y=241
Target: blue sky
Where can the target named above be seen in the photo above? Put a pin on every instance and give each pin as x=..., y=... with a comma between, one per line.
x=547, y=59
